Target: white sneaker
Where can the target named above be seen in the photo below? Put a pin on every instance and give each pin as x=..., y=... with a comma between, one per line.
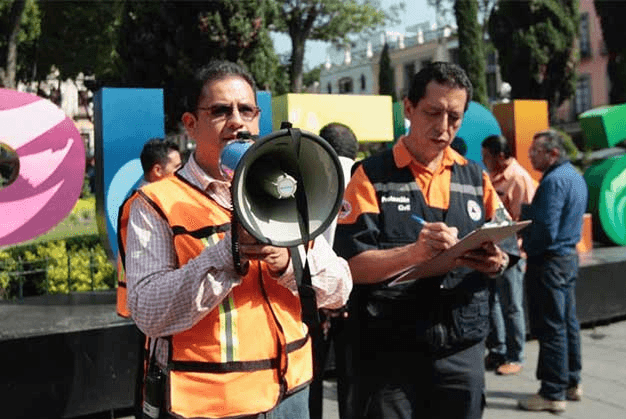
x=537, y=403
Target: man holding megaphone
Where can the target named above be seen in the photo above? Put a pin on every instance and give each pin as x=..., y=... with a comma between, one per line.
x=225, y=343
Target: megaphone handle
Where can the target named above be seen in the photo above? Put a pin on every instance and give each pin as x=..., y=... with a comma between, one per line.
x=234, y=224
x=308, y=301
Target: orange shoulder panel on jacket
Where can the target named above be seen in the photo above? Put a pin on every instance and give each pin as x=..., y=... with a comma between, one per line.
x=359, y=198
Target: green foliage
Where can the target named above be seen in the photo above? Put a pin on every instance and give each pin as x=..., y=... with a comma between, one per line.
x=471, y=54
x=29, y=31
x=43, y=267
x=322, y=20
x=79, y=36
x=310, y=77
x=386, y=77
x=611, y=15
x=164, y=42
x=570, y=146
x=537, y=49
x=7, y=264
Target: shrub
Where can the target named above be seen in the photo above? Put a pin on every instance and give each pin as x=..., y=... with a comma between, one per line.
x=43, y=267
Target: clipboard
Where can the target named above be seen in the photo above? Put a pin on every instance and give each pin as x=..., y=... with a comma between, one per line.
x=440, y=264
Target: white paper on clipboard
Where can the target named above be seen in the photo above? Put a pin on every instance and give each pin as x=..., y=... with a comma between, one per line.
x=441, y=263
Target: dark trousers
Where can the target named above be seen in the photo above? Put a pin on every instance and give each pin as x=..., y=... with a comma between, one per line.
x=551, y=286
x=414, y=385
x=336, y=341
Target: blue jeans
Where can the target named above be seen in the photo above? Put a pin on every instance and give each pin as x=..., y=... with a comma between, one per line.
x=551, y=287
x=295, y=406
x=508, y=334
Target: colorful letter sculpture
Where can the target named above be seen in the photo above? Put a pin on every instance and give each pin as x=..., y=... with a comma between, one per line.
x=604, y=127
x=264, y=101
x=369, y=116
x=520, y=120
x=478, y=124
x=51, y=166
x=124, y=119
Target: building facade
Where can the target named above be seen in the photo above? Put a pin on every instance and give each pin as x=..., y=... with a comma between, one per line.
x=593, y=85
x=356, y=71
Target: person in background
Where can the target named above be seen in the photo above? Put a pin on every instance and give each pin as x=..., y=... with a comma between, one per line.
x=331, y=328
x=342, y=139
x=515, y=187
x=557, y=212
x=159, y=158
x=228, y=338
x=420, y=346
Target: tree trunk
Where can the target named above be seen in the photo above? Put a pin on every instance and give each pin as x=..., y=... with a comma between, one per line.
x=297, y=64
x=15, y=18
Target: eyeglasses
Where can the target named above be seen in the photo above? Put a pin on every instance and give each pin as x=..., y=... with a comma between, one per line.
x=223, y=112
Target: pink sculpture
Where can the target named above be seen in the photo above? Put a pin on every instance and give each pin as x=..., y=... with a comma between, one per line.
x=51, y=166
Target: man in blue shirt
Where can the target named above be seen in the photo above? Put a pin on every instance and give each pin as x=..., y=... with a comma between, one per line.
x=557, y=211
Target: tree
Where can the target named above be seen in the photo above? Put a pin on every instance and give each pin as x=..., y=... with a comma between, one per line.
x=322, y=20
x=471, y=54
x=309, y=78
x=21, y=26
x=612, y=20
x=237, y=30
x=386, y=77
x=78, y=37
x=166, y=41
x=536, y=48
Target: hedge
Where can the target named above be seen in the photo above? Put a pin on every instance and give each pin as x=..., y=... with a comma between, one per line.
x=55, y=267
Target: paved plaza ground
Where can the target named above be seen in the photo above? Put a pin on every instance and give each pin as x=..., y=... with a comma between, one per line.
x=604, y=381
x=603, y=377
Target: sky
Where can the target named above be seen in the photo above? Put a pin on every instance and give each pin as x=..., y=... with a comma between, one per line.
x=416, y=11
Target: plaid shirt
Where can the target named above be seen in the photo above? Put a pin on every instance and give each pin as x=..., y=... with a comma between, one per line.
x=165, y=299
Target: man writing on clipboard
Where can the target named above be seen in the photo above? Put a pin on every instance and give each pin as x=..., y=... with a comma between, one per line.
x=421, y=343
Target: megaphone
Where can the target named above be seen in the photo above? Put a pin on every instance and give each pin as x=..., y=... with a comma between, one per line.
x=287, y=186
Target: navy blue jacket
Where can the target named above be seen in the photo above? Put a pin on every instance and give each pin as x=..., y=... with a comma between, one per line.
x=557, y=212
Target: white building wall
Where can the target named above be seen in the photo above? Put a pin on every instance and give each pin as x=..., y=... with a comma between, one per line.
x=354, y=72
x=363, y=59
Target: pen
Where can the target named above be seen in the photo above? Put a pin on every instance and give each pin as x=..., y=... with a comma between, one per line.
x=418, y=219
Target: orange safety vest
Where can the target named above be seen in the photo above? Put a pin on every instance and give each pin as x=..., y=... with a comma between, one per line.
x=253, y=349
x=122, y=229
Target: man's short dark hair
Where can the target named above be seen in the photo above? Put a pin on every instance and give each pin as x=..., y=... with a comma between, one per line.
x=552, y=140
x=156, y=151
x=214, y=70
x=341, y=138
x=497, y=144
x=441, y=72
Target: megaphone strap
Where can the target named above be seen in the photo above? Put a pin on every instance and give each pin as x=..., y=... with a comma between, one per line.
x=308, y=301
x=301, y=198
